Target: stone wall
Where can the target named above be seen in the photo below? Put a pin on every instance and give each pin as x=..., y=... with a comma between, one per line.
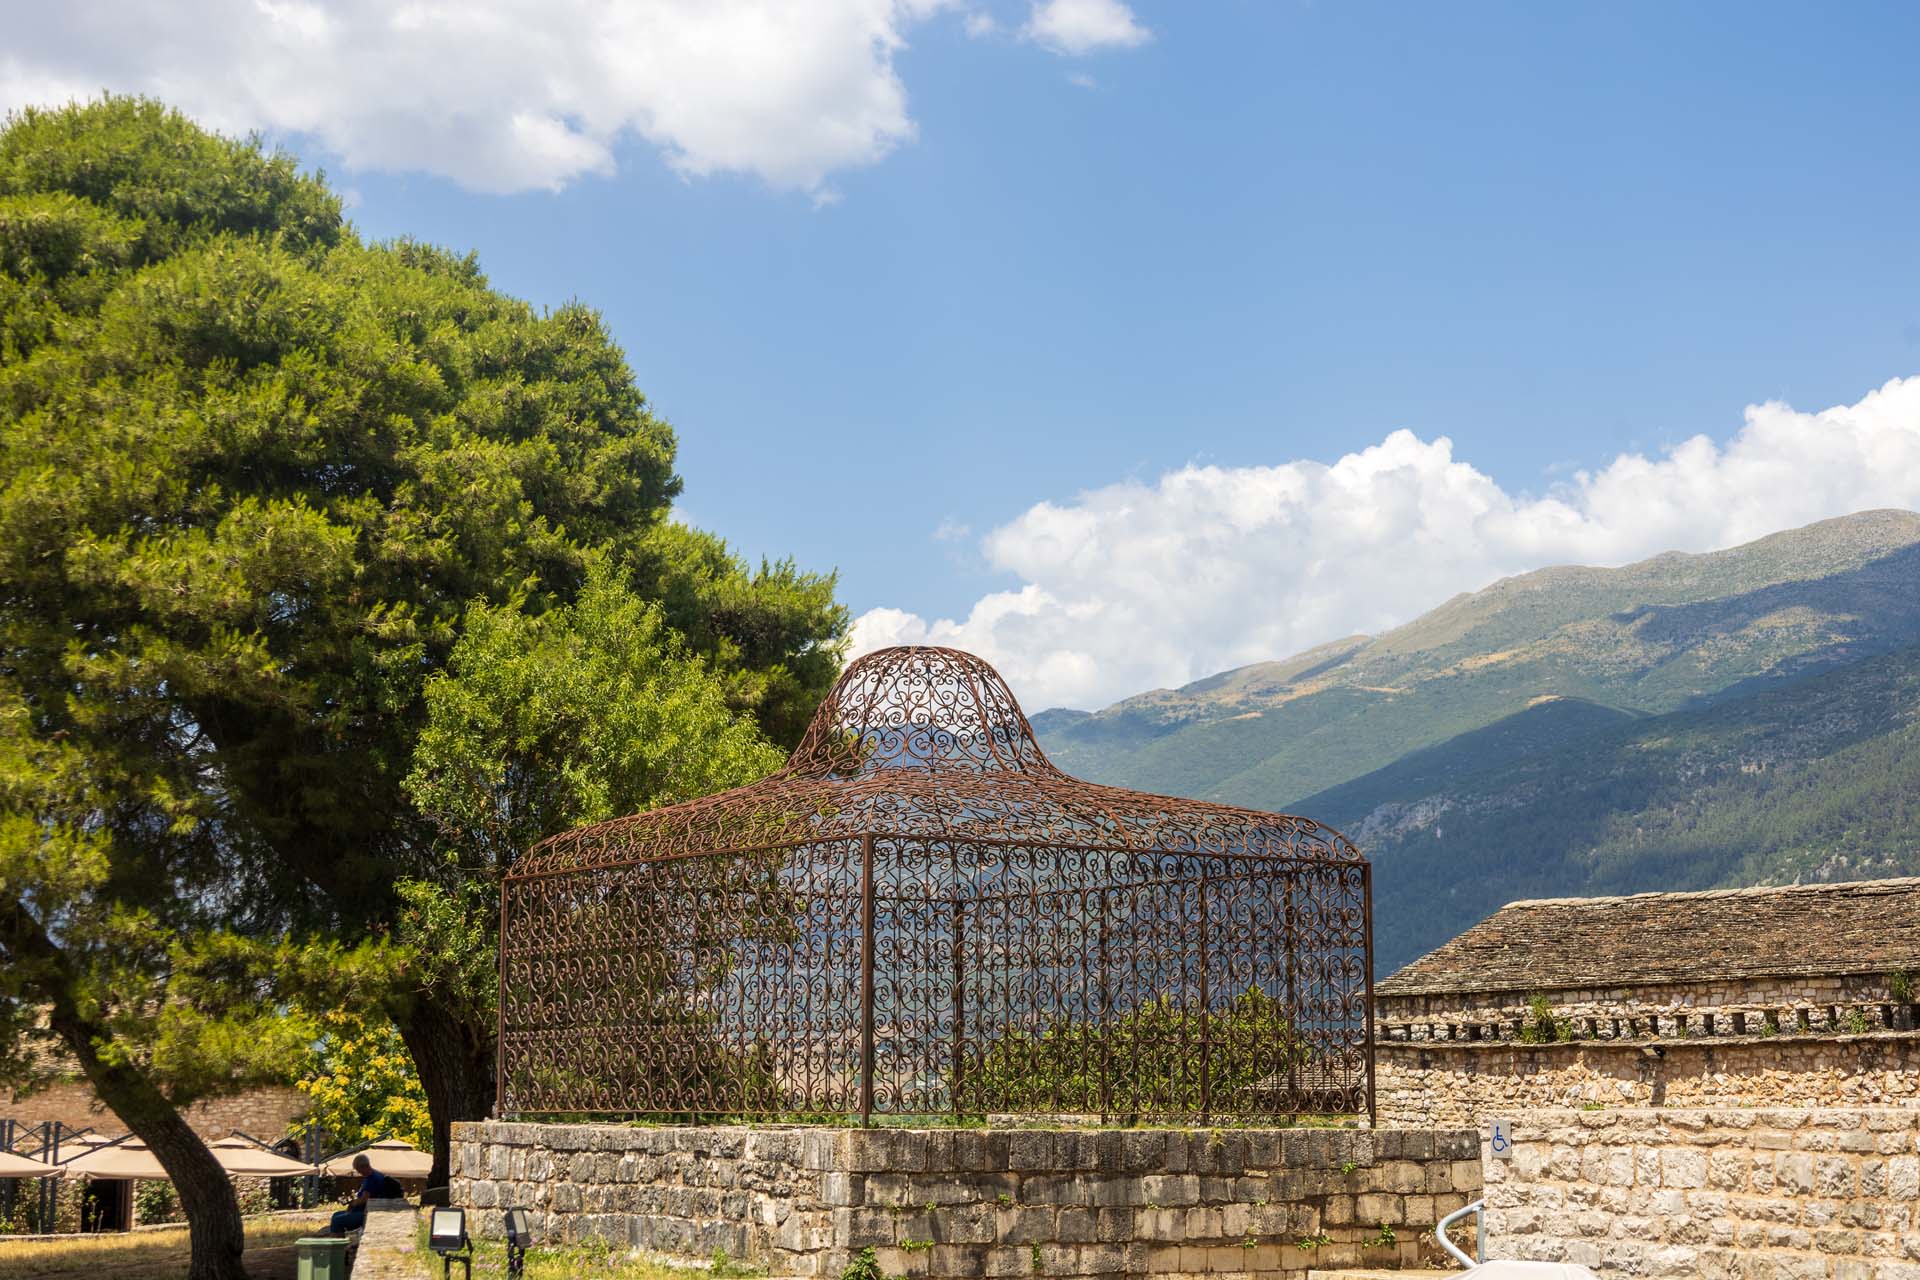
x=1718, y=1194
x=970, y=1203
x=1457, y=1083
x=265, y=1113
x=1720, y=1007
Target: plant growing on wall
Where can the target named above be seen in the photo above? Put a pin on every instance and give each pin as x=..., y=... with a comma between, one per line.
x=1540, y=1026
x=863, y=1267
x=724, y=1266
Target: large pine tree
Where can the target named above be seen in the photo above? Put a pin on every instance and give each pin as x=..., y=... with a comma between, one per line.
x=255, y=475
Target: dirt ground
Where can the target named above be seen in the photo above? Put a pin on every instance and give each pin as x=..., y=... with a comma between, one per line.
x=158, y=1255
x=262, y=1264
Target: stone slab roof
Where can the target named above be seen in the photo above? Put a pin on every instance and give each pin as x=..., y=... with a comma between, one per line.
x=1549, y=944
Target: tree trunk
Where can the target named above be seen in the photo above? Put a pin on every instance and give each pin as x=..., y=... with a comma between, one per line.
x=213, y=1214
x=455, y=1062
x=206, y=1195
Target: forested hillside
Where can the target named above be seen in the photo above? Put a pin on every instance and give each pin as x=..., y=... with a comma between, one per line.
x=1816, y=779
x=1744, y=716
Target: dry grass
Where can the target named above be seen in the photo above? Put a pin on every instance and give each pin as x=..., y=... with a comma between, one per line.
x=145, y=1255
x=162, y=1255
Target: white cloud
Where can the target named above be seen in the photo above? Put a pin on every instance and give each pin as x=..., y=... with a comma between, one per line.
x=981, y=24
x=1137, y=586
x=1082, y=26
x=500, y=95
x=1081, y=80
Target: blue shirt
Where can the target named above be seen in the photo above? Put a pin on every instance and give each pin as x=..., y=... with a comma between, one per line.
x=378, y=1186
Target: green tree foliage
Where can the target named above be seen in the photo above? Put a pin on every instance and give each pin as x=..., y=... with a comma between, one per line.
x=111, y=959
x=1143, y=1059
x=255, y=475
x=541, y=723
x=587, y=711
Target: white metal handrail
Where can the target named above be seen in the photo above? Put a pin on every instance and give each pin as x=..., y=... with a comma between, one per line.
x=1479, y=1211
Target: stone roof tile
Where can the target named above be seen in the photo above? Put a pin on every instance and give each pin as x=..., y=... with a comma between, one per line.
x=1546, y=944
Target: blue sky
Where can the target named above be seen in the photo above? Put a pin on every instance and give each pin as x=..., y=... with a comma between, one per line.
x=1260, y=235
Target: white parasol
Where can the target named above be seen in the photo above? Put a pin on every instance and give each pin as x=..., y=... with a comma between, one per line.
x=243, y=1158
x=13, y=1166
x=390, y=1156
x=129, y=1159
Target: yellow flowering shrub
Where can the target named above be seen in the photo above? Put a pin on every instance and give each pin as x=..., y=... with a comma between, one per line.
x=362, y=1082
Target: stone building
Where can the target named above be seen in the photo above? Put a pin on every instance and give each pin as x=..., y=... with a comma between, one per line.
x=62, y=1096
x=1801, y=994
x=64, y=1108
x=266, y=1113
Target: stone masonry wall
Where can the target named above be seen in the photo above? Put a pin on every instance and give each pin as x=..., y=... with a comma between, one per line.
x=1720, y=1007
x=940, y=1204
x=1729, y=1194
x=1428, y=1083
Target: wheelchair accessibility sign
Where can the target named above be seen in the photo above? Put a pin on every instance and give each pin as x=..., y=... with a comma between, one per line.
x=1501, y=1140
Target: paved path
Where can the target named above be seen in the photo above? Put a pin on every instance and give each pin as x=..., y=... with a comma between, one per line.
x=390, y=1245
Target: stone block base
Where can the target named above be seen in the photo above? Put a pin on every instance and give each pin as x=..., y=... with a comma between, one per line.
x=948, y=1204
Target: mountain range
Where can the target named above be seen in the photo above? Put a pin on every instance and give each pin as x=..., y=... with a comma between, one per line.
x=1747, y=716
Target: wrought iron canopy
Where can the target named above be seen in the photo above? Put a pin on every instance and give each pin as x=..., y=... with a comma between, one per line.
x=920, y=913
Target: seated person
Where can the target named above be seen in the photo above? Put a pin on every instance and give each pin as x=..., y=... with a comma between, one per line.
x=374, y=1185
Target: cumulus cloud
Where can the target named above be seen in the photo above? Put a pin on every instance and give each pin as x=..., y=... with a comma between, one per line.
x=500, y=95
x=1144, y=585
x=1082, y=26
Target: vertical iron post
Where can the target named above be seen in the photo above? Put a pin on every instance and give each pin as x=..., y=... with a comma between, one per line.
x=1106, y=1017
x=500, y=1037
x=1295, y=1044
x=50, y=1195
x=866, y=981
x=1366, y=884
x=1206, y=1011
x=959, y=1003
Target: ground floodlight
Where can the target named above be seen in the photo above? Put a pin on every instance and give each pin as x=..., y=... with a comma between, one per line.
x=519, y=1236
x=448, y=1232
x=447, y=1236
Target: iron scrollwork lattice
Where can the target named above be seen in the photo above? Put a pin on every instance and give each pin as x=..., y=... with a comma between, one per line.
x=920, y=914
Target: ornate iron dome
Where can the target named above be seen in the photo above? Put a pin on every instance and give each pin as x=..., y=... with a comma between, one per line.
x=920, y=914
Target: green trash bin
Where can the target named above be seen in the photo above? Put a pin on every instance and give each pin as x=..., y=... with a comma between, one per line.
x=321, y=1258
